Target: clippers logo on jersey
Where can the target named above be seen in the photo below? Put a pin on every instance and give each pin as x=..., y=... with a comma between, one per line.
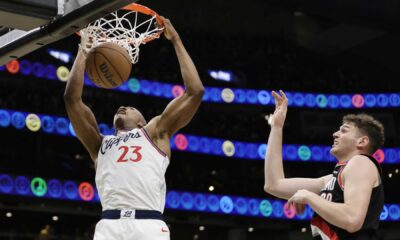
x=115, y=141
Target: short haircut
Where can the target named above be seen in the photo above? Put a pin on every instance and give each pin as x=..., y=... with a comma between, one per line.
x=370, y=127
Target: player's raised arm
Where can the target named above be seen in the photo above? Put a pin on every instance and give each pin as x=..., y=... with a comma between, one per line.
x=181, y=110
x=82, y=118
x=275, y=181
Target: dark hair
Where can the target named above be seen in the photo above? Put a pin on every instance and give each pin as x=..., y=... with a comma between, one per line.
x=370, y=127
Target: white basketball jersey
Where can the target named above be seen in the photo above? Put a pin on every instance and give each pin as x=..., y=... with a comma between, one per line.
x=130, y=172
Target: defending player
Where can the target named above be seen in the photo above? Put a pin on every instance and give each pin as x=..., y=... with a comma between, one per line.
x=348, y=202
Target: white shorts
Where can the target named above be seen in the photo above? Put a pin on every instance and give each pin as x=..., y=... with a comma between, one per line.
x=131, y=229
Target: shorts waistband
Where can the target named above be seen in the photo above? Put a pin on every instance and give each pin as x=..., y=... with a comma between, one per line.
x=132, y=214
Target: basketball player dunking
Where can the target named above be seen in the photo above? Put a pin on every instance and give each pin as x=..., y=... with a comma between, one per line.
x=131, y=164
x=348, y=202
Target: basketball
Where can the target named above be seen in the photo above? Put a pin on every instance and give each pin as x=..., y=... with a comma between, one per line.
x=108, y=65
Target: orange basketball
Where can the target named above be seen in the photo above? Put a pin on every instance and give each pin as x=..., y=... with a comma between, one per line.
x=108, y=65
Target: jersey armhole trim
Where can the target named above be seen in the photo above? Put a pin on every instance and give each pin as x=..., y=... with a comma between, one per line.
x=339, y=178
x=152, y=143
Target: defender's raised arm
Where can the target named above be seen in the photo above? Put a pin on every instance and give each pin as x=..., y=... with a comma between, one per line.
x=275, y=181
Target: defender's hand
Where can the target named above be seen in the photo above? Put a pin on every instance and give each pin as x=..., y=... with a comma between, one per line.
x=278, y=118
x=300, y=197
x=300, y=208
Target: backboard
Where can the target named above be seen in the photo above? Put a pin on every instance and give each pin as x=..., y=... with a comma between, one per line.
x=28, y=25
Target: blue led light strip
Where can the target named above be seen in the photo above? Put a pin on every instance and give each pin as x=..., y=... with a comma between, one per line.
x=185, y=201
x=222, y=95
x=189, y=143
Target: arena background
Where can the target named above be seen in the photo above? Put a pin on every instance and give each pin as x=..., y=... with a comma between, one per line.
x=327, y=48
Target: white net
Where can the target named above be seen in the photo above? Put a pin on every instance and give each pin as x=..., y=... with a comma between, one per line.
x=129, y=29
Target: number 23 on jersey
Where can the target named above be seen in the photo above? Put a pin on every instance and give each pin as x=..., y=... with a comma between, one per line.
x=130, y=153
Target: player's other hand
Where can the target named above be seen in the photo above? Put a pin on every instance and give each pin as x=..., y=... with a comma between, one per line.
x=169, y=31
x=299, y=200
x=300, y=208
x=278, y=118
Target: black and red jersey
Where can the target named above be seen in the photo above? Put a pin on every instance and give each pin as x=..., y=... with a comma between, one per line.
x=333, y=191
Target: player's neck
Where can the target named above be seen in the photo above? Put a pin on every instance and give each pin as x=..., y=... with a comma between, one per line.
x=349, y=156
x=122, y=130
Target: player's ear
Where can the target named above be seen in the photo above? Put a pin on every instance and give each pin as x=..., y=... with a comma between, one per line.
x=363, y=141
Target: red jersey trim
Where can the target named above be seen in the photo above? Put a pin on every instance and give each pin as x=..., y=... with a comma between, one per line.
x=339, y=177
x=342, y=163
x=155, y=146
x=319, y=223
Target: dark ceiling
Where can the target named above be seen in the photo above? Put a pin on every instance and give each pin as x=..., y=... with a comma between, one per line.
x=360, y=34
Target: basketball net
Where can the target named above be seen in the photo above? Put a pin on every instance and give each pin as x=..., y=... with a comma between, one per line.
x=129, y=28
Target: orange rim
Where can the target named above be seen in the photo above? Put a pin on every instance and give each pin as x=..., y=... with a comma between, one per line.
x=145, y=10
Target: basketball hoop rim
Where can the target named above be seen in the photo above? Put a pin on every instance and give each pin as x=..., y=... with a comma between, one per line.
x=145, y=10
x=128, y=36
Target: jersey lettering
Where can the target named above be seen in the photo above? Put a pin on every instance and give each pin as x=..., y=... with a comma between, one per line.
x=137, y=156
x=115, y=141
x=330, y=185
x=327, y=196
